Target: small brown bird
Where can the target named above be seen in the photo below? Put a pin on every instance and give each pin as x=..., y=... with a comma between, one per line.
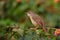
x=36, y=20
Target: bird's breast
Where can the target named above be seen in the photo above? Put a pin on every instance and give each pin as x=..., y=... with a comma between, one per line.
x=33, y=22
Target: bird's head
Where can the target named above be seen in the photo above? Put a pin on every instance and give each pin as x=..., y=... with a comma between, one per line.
x=30, y=13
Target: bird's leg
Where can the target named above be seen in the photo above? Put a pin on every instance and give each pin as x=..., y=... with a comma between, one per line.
x=35, y=28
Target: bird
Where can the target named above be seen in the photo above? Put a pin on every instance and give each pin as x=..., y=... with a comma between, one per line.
x=36, y=20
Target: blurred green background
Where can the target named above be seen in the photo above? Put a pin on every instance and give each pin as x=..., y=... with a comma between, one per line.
x=15, y=24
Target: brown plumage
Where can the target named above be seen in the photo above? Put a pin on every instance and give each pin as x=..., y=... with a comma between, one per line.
x=36, y=20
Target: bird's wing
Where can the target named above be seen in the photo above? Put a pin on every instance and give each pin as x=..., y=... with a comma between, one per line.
x=40, y=22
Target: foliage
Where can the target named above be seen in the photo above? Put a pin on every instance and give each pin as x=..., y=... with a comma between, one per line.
x=16, y=25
